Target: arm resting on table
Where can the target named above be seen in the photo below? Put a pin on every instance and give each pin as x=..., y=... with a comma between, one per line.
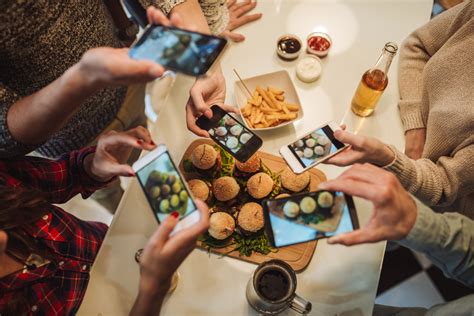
x=436, y=183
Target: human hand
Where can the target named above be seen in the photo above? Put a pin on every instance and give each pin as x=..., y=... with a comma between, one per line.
x=238, y=16
x=361, y=149
x=205, y=92
x=394, y=212
x=106, y=66
x=415, y=142
x=112, y=152
x=163, y=253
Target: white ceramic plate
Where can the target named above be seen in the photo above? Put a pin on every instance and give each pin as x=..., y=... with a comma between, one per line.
x=280, y=80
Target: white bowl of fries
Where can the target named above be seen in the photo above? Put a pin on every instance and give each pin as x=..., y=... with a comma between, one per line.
x=273, y=101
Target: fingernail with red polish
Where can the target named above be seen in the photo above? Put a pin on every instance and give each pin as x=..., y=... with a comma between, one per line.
x=175, y=214
x=131, y=174
x=152, y=142
x=139, y=142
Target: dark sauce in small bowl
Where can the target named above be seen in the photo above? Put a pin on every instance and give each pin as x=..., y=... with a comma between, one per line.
x=288, y=47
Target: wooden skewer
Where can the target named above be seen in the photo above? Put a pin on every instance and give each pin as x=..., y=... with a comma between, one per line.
x=242, y=82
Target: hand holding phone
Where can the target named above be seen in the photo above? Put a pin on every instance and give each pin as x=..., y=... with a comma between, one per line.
x=184, y=51
x=313, y=148
x=164, y=188
x=309, y=216
x=230, y=134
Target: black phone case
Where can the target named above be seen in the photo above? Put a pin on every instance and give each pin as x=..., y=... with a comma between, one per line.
x=218, y=113
x=221, y=47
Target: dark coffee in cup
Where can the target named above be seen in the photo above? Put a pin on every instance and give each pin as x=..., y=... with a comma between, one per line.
x=273, y=285
x=271, y=289
x=275, y=281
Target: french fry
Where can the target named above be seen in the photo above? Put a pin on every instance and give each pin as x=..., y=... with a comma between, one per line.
x=275, y=102
x=272, y=122
x=265, y=96
x=280, y=97
x=259, y=117
x=283, y=117
x=249, y=123
x=292, y=107
x=253, y=113
x=255, y=95
x=268, y=111
x=267, y=108
x=246, y=110
x=275, y=91
x=265, y=105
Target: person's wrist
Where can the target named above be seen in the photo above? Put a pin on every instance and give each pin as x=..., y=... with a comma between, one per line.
x=91, y=77
x=414, y=130
x=77, y=79
x=409, y=219
x=147, y=303
x=91, y=171
x=153, y=287
x=384, y=157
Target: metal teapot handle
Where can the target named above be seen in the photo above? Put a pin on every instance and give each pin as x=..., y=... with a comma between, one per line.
x=301, y=305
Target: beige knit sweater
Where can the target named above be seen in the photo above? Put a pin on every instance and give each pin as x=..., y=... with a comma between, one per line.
x=436, y=82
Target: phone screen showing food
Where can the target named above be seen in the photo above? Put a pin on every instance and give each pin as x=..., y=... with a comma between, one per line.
x=230, y=134
x=315, y=146
x=164, y=188
x=184, y=51
x=309, y=216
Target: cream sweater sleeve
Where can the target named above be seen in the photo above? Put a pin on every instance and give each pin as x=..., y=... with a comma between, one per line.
x=436, y=183
x=448, y=241
x=416, y=50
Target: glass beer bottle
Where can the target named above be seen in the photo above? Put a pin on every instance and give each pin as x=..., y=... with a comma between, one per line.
x=373, y=83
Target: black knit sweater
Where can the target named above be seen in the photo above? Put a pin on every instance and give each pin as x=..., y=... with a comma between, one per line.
x=39, y=41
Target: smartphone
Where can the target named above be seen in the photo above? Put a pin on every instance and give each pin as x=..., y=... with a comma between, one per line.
x=313, y=148
x=137, y=11
x=309, y=216
x=230, y=134
x=184, y=51
x=164, y=188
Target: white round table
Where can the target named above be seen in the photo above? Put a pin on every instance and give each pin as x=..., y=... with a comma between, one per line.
x=339, y=280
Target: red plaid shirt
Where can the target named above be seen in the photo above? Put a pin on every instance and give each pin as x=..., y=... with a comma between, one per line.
x=58, y=287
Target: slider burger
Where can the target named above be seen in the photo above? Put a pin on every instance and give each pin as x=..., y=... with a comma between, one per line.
x=325, y=199
x=260, y=185
x=225, y=188
x=221, y=225
x=199, y=189
x=250, y=218
x=293, y=182
x=204, y=159
x=248, y=168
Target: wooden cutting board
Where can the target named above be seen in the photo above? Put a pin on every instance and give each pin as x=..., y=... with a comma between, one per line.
x=297, y=256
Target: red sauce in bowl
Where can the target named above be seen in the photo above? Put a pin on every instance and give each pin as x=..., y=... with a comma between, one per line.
x=319, y=43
